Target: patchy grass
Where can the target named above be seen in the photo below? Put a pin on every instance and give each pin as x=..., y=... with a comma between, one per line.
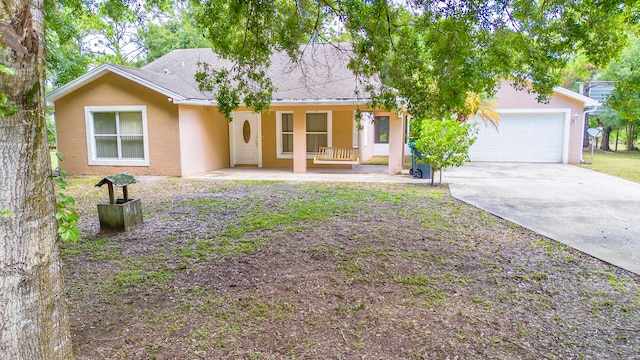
x=276, y=270
x=620, y=164
x=377, y=160
x=384, y=160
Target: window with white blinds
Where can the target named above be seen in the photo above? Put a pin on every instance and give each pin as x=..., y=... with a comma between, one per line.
x=318, y=133
x=287, y=133
x=117, y=135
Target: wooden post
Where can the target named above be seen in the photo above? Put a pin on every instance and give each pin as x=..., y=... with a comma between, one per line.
x=125, y=193
x=112, y=198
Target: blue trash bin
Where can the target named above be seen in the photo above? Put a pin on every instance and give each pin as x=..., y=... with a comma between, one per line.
x=418, y=170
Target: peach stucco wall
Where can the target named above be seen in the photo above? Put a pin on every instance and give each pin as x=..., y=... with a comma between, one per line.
x=204, y=139
x=184, y=140
x=396, y=143
x=113, y=90
x=342, y=133
x=509, y=98
x=366, y=137
x=396, y=140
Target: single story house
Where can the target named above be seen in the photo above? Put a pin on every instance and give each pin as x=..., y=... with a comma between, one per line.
x=528, y=131
x=155, y=121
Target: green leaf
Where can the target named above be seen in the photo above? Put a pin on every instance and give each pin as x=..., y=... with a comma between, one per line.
x=66, y=215
x=69, y=233
x=7, y=70
x=61, y=180
x=5, y=108
x=443, y=143
x=66, y=199
x=432, y=56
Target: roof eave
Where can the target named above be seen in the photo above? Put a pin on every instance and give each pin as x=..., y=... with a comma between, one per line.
x=199, y=102
x=101, y=71
x=587, y=101
x=300, y=102
x=283, y=102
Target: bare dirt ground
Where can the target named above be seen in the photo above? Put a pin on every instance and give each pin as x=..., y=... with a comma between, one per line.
x=275, y=270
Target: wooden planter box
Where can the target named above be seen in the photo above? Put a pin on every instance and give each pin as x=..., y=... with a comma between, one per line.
x=121, y=216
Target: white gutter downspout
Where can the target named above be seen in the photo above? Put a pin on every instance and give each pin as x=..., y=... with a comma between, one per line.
x=584, y=120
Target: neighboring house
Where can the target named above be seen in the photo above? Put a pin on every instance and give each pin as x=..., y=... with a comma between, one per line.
x=155, y=121
x=528, y=131
x=597, y=90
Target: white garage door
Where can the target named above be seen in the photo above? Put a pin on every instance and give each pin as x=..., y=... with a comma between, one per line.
x=528, y=137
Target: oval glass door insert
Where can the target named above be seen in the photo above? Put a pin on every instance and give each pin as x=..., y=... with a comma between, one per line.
x=246, y=131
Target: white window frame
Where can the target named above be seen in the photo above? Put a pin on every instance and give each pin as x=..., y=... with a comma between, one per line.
x=91, y=145
x=282, y=155
x=279, y=153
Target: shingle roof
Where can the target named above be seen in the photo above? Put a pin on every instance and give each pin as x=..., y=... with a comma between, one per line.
x=170, y=82
x=321, y=74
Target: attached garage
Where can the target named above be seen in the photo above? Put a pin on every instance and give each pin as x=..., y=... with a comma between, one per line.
x=533, y=136
x=528, y=130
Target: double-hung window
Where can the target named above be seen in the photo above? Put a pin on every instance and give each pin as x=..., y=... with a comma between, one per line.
x=286, y=134
x=117, y=135
x=318, y=124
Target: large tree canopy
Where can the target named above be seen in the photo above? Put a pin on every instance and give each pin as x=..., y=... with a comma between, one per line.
x=81, y=33
x=173, y=30
x=625, y=72
x=433, y=53
x=625, y=98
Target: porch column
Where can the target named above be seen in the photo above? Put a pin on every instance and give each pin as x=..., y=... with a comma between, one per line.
x=299, y=141
x=396, y=144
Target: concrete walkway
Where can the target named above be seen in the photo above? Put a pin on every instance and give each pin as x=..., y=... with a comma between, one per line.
x=590, y=211
x=360, y=173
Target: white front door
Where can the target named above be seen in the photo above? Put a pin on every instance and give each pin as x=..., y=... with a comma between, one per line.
x=245, y=138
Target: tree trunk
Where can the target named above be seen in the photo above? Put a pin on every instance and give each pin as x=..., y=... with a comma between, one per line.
x=33, y=317
x=585, y=135
x=606, y=134
x=629, y=136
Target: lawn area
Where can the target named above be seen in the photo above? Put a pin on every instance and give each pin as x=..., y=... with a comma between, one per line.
x=289, y=270
x=620, y=164
x=384, y=160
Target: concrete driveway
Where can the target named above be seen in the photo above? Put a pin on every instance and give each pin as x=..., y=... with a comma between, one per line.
x=590, y=211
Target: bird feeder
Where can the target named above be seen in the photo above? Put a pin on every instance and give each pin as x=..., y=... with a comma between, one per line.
x=123, y=213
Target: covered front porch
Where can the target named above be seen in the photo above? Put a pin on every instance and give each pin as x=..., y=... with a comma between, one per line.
x=289, y=137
